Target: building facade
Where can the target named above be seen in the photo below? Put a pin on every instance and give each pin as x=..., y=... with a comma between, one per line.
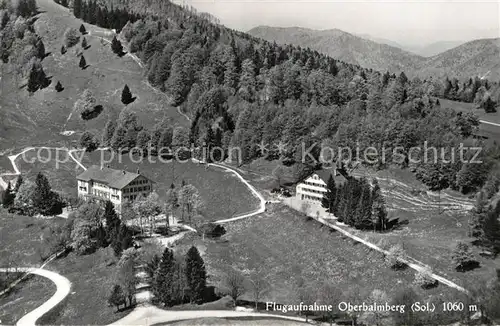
x=313, y=187
x=117, y=186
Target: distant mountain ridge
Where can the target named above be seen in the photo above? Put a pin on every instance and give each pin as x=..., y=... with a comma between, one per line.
x=474, y=58
x=427, y=50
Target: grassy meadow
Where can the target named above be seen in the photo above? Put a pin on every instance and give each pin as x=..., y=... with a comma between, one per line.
x=22, y=239
x=287, y=246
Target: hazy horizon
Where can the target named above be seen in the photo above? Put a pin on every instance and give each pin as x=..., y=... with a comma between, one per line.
x=407, y=22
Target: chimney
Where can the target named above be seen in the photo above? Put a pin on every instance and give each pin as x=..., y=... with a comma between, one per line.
x=124, y=172
x=107, y=166
x=137, y=171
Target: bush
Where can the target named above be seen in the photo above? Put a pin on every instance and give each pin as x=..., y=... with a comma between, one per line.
x=213, y=230
x=71, y=37
x=425, y=280
x=395, y=258
x=91, y=113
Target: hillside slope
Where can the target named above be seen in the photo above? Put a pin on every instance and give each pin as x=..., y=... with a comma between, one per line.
x=40, y=118
x=435, y=48
x=343, y=46
x=474, y=58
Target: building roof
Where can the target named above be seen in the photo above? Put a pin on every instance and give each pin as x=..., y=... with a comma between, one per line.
x=325, y=174
x=117, y=179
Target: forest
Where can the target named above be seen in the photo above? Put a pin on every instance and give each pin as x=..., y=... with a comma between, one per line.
x=241, y=91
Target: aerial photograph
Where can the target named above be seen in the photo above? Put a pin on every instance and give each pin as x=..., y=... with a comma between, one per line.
x=250, y=162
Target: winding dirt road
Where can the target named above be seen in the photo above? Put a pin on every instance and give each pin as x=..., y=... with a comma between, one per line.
x=63, y=289
x=14, y=157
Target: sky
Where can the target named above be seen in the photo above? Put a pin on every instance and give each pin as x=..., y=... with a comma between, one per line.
x=410, y=22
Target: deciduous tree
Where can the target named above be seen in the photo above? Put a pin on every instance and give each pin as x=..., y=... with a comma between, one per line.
x=234, y=282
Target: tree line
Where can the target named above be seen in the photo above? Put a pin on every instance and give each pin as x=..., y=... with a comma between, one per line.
x=92, y=13
x=483, y=93
x=32, y=198
x=358, y=203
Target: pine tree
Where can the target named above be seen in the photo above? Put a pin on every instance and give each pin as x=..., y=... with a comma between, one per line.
x=84, y=43
x=328, y=200
x=462, y=257
x=126, y=95
x=118, y=142
x=113, y=222
x=117, y=297
x=152, y=266
x=122, y=241
x=40, y=48
x=363, y=219
x=478, y=215
x=82, y=28
x=490, y=236
x=44, y=200
x=162, y=284
x=63, y=49
x=59, y=87
x=77, y=8
x=19, y=182
x=36, y=76
x=83, y=62
x=379, y=212
x=8, y=197
x=116, y=46
x=196, y=274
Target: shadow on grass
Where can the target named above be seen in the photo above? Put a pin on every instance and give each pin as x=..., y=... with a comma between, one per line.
x=121, y=54
x=85, y=67
x=87, y=47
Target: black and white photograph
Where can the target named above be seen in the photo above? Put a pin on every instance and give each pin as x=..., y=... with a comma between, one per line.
x=250, y=162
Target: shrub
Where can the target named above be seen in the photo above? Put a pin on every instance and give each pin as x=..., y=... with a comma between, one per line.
x=424, y=279
x=395, y=258
x=89, y=141
x=71, y=37
x=91, y=113
x=213, y=230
